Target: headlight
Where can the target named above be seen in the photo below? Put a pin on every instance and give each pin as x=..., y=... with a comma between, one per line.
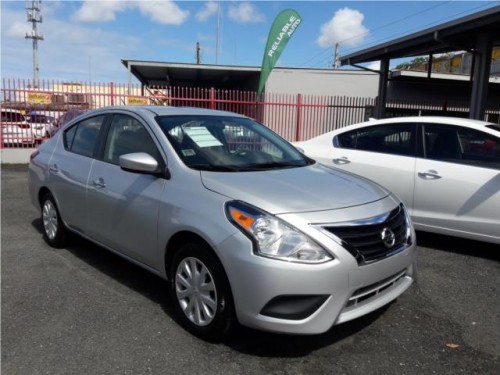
x=272, y=237
x=409, y=226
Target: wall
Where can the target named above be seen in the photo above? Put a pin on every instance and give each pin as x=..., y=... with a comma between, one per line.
x=439, y=91
x=16, y=155
x=323, y=82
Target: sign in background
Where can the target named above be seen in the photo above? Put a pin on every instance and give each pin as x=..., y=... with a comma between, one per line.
x=282, y=29
x=39, y=97
x=137, y=100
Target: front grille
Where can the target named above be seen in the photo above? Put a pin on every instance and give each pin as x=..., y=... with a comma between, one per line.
x=370, y=240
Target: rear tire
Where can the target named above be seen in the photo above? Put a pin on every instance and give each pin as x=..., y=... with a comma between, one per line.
x=54, y=231
x=201, y=293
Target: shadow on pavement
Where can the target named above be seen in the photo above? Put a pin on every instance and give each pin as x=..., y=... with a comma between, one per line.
x=265, y=344
x=120, y=269
x=459, y=245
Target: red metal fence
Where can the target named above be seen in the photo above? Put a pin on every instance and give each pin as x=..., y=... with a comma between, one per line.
x=30, y=115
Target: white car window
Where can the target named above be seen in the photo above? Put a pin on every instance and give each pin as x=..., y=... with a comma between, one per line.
x=462, y=145
x=396, y=139
x=12, y=117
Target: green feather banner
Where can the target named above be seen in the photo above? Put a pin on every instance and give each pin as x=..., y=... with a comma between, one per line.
x=283, y=27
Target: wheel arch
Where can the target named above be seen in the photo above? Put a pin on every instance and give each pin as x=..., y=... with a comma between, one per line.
x=183, y=237
x=41, y=193
x=210, y=259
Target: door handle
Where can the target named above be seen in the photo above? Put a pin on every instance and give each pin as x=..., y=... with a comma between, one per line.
x=53, y=168
x=429, y=175
x=341, y=161
x=99, y=183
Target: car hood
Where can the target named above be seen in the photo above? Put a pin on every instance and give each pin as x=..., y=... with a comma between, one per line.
x=304, y=189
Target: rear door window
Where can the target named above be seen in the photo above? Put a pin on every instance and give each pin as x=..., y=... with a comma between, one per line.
x=82, y=137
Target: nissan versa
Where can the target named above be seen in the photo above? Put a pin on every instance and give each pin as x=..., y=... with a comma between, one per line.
x=245, y=227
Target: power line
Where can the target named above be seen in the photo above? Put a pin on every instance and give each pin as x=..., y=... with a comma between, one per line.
x=377, y=28
x=393, y=37
x=415, y=29
x=395, y=22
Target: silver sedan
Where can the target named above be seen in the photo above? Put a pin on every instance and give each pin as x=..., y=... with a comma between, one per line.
x=245, y=227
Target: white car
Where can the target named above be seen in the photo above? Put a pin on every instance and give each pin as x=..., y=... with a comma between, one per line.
x=446, y=170
x=15, y=128
x=41, y=123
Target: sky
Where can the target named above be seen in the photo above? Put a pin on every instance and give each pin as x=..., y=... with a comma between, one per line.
x=86, y=40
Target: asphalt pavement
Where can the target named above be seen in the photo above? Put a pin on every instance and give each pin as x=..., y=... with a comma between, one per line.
x=83, y=310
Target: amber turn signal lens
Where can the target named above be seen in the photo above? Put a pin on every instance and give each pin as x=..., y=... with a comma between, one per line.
x=244, y=220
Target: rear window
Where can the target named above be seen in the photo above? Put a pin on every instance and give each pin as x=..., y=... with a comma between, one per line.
x=12, y=117
x=494, y=127
x=82, y=137
x=462, y=146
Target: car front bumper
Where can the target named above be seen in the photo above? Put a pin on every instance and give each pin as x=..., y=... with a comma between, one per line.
x=297, y=298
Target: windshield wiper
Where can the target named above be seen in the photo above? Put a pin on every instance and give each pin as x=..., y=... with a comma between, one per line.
x=272, y=165
x=214, y=168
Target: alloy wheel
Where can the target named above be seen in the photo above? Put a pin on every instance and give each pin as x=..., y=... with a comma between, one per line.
x=49, y=216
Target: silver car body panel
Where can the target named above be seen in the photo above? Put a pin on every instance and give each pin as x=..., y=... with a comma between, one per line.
x=136, y=215
x=288, y=185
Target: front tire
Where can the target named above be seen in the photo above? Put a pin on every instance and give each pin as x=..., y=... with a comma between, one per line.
x=201, y=293
x=54, y=231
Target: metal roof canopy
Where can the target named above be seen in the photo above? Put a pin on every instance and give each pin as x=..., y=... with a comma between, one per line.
x=162, y=74
x=476, y=33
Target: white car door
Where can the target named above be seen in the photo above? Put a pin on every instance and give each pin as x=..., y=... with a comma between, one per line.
x=382, y=153
x=457, y=188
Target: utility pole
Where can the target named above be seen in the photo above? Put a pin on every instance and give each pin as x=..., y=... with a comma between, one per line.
x=198, y=57
x=34, y=14
x=217, y=34
x=336, y=57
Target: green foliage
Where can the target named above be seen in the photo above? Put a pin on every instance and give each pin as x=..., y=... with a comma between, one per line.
x=416, y=60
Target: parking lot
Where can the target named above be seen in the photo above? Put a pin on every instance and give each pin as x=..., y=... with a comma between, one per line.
x=83, y=310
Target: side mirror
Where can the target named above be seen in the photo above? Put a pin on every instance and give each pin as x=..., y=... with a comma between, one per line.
x=139, y=162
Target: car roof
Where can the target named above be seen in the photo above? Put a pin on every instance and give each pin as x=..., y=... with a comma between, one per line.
x=75, y=111
x=430, y=119
x=470, y=123
x=40, y=113
x=438, y=120
x=168, y=111
x=11, y=110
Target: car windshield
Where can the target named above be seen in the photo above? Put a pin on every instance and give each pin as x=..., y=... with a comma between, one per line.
x=41, y=119
x=229, y=144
